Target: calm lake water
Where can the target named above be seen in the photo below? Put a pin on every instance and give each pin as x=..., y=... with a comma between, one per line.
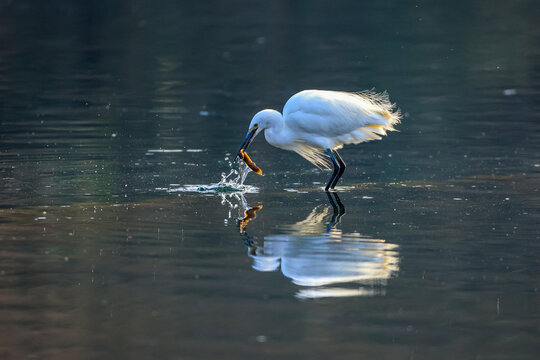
x=111, y=111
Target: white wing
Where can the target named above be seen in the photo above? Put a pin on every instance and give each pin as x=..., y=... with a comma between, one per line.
x=332, y=118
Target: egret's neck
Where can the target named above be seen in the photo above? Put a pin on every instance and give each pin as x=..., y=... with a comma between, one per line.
x=274, y=132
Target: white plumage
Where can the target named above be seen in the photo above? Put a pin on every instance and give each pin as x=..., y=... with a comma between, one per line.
x=316, y=123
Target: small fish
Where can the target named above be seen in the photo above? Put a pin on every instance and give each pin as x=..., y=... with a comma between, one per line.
x=244, y=156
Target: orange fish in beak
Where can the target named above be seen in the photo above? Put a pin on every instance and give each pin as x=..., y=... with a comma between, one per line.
x=244, y=156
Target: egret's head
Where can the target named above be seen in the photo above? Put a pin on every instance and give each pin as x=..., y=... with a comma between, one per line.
x=264, y=119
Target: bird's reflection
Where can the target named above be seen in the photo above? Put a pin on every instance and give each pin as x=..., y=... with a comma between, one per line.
x=318, y=256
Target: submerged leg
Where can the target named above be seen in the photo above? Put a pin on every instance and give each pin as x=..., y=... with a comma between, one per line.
x=339, y=210
x=336, y=169
x=342, y=167
x=340, y=206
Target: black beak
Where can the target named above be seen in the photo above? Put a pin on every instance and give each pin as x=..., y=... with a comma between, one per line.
x=249, y=138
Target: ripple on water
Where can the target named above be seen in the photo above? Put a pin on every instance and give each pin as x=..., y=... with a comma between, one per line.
x=214, y=189
x=229, y=184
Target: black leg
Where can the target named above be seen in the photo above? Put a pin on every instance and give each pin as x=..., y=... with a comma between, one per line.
x=336, y=169
x=342, y=167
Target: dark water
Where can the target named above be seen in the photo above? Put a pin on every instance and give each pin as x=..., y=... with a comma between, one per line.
x=437, y=254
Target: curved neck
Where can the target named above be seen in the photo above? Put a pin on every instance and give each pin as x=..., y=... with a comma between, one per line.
x=274, y=133
x=275, y=120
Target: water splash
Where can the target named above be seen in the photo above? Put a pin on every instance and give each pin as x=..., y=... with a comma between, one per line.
x=233, y=182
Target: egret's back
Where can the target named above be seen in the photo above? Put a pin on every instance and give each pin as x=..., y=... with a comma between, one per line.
x=344, y=117
x=322, y=119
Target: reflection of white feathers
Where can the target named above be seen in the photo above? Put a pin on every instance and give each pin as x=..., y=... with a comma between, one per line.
x=311, y=293
x=314, y=223
x=311, y=256
x=320, y=260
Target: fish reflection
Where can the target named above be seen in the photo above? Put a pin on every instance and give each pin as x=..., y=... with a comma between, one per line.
x=315, y=254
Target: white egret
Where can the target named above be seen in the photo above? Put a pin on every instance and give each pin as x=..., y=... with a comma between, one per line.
x=317, y=123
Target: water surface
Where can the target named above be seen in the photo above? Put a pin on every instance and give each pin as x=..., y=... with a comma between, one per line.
x=117, y=121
